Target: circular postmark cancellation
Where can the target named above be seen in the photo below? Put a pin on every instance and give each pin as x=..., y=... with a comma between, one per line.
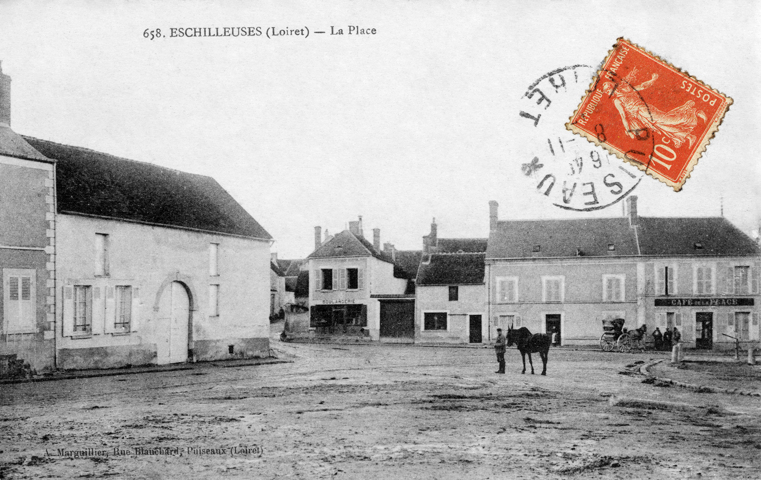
x=567, y=170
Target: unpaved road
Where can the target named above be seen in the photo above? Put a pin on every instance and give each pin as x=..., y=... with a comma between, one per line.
x=382, y=412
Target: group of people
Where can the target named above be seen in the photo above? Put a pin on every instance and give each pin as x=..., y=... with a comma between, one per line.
x=667, y=339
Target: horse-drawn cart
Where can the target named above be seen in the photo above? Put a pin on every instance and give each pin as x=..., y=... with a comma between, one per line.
x=614, y=337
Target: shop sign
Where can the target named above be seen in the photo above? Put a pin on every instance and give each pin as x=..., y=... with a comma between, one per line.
x=703, y=302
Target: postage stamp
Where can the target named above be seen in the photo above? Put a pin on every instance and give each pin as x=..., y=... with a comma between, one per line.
x=649, y=113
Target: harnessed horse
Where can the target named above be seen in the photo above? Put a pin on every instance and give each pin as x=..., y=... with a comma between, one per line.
x=529, y=343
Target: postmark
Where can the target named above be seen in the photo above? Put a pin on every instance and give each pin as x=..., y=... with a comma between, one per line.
x=560, y=167
x=649, y=113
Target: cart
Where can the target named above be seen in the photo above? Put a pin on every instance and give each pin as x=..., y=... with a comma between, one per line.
x=614, y=336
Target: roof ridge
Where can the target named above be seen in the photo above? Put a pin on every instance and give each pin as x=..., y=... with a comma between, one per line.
x=458, y=253
x=117, y=157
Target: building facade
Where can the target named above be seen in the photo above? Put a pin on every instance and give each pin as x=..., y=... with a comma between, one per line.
x=450, y=290
x=27, y=246
x=356, y=289
x=699, y=275
x=153, y=265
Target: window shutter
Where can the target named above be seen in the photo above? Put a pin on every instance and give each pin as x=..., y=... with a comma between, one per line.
x=659, y=280
x=110, y=316
x=89, y=307
x=361, y=278
x=343, y=274
x=729, y=280
x=678, y=320
x=673, y=279
x=730, y=330
x=135, y=320
x=98, y=311
x=317, y=280
x=753, y=274
x=68, y=311
x=364, y=315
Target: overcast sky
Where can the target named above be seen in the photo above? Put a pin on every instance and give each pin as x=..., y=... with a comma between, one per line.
x=420, y=120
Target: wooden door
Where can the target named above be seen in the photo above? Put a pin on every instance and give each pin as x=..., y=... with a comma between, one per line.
x=475, y=329
x=704, y=330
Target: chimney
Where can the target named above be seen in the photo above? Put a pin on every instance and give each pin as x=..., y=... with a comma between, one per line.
x=376, y=238
x=388, y=249
x=5, y=98
x=361, y=231
x=354, y=227
x=631, y=210
x=493, y=217
x=433, y=240
x=426, y=244
x=273, y=257
x=317, y=237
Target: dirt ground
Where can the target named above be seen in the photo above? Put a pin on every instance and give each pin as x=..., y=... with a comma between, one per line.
x=379, y=411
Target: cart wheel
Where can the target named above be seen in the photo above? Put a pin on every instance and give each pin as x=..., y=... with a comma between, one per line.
x=624, y=343
x=605, y=343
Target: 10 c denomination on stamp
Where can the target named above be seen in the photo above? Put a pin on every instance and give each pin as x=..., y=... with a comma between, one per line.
x=649, y=113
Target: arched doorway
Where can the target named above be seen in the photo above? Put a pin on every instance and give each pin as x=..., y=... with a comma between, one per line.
x=173, y=325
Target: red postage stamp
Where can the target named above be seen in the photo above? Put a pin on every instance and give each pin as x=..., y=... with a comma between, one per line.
x=649, y=113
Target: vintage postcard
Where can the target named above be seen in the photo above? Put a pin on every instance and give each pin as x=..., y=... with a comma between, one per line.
x=328, y=240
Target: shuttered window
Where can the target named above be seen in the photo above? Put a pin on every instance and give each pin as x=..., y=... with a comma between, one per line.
x=82, y=308
x=123, y=308
x=435, y=320
x=704, y=284
x=665, y=279
x=19, y=306
x=552, y=290
x=507, y=289
x=742, y=280
x=613, y=288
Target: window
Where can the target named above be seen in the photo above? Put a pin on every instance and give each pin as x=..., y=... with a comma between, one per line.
x=82, y=308
x=327, y=279
x=507, y=289
x=704, y=280
x=613, y=288
x=742, y=277
x=506, y=321
x=435, y=321
x=213, y=259
x=352, y=275
x=454, y=293
x=214, y=300
x=742, y=326
x=665, y=279
x=123, y=308
x=552, y=289
x=101, y=254
x=19, y=305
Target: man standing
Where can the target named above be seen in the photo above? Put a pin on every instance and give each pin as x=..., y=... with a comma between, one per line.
x=499, y=347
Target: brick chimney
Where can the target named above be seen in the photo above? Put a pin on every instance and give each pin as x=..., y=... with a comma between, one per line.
x=376, y=238
x=354, y=227
x=426, y=244
x=388, y=249
x=5, y=98
x=433, y=238
x=317, y=237
x=631, y=210
x=493, y=216
x=273, y=257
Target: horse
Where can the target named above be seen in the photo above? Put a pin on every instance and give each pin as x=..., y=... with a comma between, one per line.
x=530, y=343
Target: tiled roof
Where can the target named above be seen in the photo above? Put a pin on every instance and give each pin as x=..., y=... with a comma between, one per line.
x=591, y=237
x=276, y=269
x=561, y=238
x=346, y=244
x=408, y=262
x=99, y=184
x=291, y=267
x=302, y=284
x=461, y=245
x=291, y=283
x=14, y=145
x=452, y=269
x=678, y=236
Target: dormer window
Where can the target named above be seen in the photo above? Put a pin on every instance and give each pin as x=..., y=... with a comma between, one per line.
x=579, y=252
x=536, y=249
x=611, y=247
x=698, y=245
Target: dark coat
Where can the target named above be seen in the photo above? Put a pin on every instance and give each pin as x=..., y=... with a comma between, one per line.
x=499, y=344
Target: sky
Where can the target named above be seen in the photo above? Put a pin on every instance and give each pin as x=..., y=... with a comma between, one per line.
x=416, y=121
